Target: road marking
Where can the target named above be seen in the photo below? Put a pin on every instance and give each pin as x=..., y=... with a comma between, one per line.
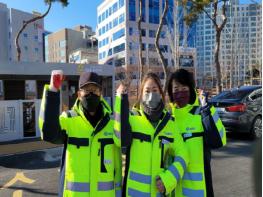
x=19, y=177
x=18, y=193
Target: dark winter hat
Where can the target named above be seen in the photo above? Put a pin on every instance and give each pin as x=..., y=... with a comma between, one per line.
x=89, y=78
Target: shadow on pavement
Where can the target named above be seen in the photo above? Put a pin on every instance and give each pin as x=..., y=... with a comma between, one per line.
x=239, y=136
x=238, y=144
x=35, y=191
x=30, y=161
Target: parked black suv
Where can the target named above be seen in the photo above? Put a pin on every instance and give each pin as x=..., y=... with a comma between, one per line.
x=240, y=109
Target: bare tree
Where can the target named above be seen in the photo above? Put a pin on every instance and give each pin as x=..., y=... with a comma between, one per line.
x=140, y=42
x=196, y=8
x=158, y=34
x=26, y=23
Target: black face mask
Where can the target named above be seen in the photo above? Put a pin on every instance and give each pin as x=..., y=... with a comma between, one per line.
x=90, y=102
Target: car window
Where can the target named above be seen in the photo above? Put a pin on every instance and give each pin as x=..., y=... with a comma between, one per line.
x=233, y=94
x=220, y=95
x=256, y=95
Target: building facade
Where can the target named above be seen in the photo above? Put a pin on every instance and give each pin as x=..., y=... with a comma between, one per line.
x=84, y=56
x=63, y=42
x=31, y=40
x=118, y=35
x=241, y=46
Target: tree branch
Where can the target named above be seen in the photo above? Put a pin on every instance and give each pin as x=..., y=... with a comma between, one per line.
x=25, y=23
x=161, y=56
x=140, y=42
x=224, y=16
x=203, y=9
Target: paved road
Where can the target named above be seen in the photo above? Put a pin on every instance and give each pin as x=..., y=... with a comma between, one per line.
x=232, y=168
x=36, y=174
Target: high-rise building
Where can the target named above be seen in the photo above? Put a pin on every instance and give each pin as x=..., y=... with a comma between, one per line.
x=31, y=39
x=63, y=42
x=186, y=33
x=118, y=35
x=241, y=46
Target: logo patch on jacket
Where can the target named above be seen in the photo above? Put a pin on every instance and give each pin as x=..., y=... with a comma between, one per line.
x=107, y=134
x=107, y=161
x=168, y=133
x=187, y=135
x=164, y=141
x=190, y=128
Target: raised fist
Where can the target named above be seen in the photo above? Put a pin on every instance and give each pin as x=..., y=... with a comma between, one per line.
x=56, y=80
x=121, y=89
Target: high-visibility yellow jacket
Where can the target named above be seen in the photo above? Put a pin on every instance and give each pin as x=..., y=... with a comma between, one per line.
x=151, y=152
x=91, y=162
x=202, y=130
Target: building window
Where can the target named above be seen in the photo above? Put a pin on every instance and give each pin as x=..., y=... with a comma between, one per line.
x=120, y=62
x=162, y=34
x=130, y=31
x=26, y=48
x=132, y=60
x=152, y=33
x=36, y=50
x=118, y=34
x=107, y=14
x=154, y=11
x=115, y=7
x=99, y=31
x=143, y=11
x=110, y=52
x=121, y=18
x=99, y=19
x=107, y=27
x=110, y=11
x=151, y=47
x=115, y=22
x=103, y=30
x=62, y=53
x=153, y=61
x=103, y=16
x=25, y=35
x=36, y=37
x=119, y=48
x=143, y=32
x=132, y=10
x=62, y=43
x=164, y=48
x=121, y=3
x=143, y=46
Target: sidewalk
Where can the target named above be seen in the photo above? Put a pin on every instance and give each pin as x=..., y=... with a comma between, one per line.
x=22, y=146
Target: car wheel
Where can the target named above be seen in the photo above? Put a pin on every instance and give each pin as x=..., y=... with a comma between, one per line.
x=257, y=127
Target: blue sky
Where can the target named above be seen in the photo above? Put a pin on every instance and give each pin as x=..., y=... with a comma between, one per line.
x=81, y=12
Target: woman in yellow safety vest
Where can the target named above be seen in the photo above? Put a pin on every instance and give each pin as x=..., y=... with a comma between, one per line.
x=201, y=129
x=156, y=157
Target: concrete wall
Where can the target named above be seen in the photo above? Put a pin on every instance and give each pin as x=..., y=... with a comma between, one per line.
x=4, y=46
x=19, y=119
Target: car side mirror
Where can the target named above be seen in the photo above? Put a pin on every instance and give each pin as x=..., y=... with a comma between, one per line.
x=249, y=98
